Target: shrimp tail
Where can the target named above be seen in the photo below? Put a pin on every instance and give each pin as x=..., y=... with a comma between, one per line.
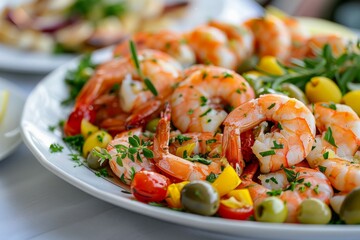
x=232, y=148
x=162, y=135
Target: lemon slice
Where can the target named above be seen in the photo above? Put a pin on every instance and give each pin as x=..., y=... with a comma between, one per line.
x=4, y=100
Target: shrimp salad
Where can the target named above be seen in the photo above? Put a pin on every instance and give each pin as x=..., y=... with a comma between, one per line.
x=234, y=121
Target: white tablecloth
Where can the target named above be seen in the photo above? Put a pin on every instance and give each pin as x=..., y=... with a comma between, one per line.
x=36, y=204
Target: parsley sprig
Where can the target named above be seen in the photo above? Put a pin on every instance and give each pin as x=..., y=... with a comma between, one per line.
x=134, y=151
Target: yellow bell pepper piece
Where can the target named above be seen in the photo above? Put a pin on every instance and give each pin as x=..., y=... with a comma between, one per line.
x=269, y=65
x=98, y=139
x=228, y=180
x=189, y=148
x=232, y=203
x=87, y=128
x=173, y=194
x=241, y=195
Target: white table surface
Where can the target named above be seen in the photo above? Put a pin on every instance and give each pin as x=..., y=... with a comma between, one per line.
x=36, y=204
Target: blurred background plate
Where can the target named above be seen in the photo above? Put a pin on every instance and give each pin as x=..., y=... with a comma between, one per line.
x=199, y=11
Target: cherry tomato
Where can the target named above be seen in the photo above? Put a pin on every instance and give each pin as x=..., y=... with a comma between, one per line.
x=247, y=141
x=235, y=213
x=149, y=186
x=73, y=124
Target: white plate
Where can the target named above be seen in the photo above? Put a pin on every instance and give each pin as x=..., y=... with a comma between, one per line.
x=43, y=109
x=10, y=136
x=200, y=11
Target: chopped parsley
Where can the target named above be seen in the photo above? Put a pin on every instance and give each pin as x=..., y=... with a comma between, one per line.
x=209, y=141
x=279, y=126
x=51, y=128
x=307, y=184
x=271, y=179
x=191, y=111
x=55, y=147
x=330, y=105
x=316, y=189
x=205, y=113
x=75, y=142
x=77, y=78
x=326, y=155
x=102, y=173
x=276, y=192
x=197, y=158
x=203, y=100
x=329, y=137
x=227, y=75
x=271, y=106
x=267, y=153
x=322, y=169
x=277, y=146
x=211, y=177
x=182, y=138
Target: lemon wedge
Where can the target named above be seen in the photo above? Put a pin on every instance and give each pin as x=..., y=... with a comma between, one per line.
x=4, y=100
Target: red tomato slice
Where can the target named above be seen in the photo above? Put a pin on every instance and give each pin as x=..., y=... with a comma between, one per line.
x=149, y=186
x=235, y=213
x=73, y=124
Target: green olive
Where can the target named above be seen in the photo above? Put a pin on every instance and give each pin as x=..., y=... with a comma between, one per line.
x=271, y=209
x=350, y=208
x=93, y=160
x=294, y=92
x=200, y=197
x=249, y=64
x=314, y=211
x=152, y=124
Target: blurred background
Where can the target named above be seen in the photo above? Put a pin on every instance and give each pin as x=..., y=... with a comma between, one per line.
x=345, y=12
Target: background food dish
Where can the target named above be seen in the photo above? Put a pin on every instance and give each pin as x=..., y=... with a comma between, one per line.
x=9, y=128
x=199, y=11
x=36, y=135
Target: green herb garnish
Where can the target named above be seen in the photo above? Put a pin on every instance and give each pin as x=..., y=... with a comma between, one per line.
x=55, y=147
x=267, y=153
x=329, y=137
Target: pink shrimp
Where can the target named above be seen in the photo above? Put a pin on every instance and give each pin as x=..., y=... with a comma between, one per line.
x=166, y=41
x=122, y=166
x=173, y=165
x=271, y=37
x=334, y=149
x=160, y=68
x=286, y=146
x=292, y=185
x=198, y=102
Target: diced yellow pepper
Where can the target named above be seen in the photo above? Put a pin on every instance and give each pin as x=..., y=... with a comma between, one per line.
x=232, y=202
x=253, y=74
x=87, y=128
x=97, y=139
x=189, y=148
x=173, y=194
x=241, y=195
x=228, y=180
x=269, y=65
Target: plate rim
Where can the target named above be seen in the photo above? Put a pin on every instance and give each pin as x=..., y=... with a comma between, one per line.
x=230, y=227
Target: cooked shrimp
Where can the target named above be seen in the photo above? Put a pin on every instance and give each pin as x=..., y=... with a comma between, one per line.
x=173, y=165
x=221, y=44
x=198, y=102
x=166, y=41
x=293, y=138
x=316, y=43
x=160, y=68
x=299, y=36
x=304, y=183
x=334, y=150
x=124, y=167
x=339, y=126
x=271, y=37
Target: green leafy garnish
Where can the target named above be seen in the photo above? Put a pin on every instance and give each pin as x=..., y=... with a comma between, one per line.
x=55, y=147
x=277, y=146
x=267, y=153
x=76, y=79
x=182, y=138
x=75, y=142
x=211, y=177
x=150, y=86
x=329, y=137
x=276, y=192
